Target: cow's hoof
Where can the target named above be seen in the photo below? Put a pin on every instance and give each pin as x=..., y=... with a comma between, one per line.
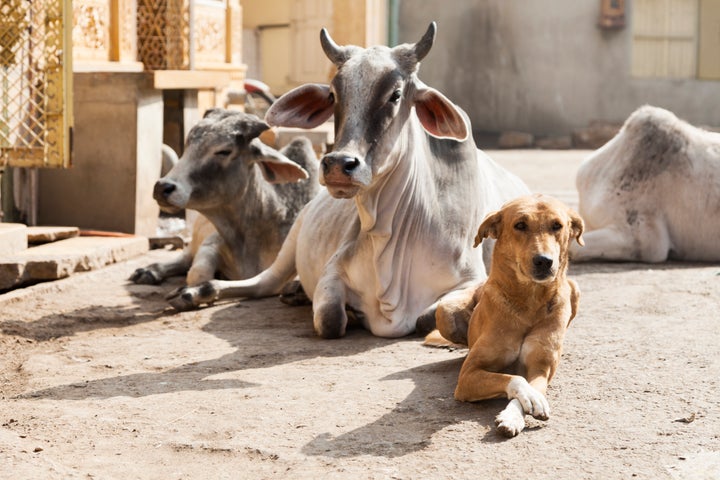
x=330, y=321
x=189, y=298
x=294, y=295
x=145, y=276
x=425, y=323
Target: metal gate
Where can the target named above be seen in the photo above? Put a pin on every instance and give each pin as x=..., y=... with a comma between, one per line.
x=36, y=79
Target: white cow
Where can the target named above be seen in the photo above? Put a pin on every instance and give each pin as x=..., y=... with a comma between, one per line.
x=652, y=193
x=406, y=189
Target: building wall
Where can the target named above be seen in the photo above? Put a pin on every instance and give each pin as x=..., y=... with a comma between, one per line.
x=542, y=67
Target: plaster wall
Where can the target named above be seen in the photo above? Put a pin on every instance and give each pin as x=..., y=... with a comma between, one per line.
x=542, y=67
x=116, y=157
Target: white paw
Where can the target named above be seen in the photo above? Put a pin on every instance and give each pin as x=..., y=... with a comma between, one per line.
x=511, y=421
x=533, y=402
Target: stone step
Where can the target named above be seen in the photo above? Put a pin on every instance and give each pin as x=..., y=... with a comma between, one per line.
x=13, y=238
x=59, y=259
x=38, y=235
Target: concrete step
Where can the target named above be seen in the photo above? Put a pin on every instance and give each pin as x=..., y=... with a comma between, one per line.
x=52, y=261
x=38, y=235
x=13, y=238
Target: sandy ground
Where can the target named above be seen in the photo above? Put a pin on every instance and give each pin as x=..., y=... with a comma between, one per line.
x=99, y=379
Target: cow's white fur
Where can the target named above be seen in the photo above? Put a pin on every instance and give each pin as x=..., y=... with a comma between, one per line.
x=404, y=238
x=652, y=192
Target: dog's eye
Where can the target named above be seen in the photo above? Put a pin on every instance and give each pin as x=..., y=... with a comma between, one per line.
x=520, y=226
x=557, y=226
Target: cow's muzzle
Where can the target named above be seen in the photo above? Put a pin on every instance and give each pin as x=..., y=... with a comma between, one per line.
x=163, y=194
x=341, y=174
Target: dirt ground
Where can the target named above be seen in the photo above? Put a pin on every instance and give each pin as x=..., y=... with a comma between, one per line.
x=99, y=379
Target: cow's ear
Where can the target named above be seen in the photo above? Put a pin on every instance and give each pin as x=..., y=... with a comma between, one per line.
x=276, y=167
x=439, y=116
x=306, y=106
x=490, y=227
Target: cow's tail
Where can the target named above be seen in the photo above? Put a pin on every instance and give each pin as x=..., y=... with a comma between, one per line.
x=272, y=280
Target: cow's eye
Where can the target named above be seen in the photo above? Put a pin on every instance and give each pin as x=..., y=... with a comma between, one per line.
x=395, y=96
x=557, y=226
x=223, y=153
x=520, y=226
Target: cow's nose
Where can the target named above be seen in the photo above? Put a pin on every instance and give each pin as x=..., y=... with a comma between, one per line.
x=542, y=263
x=346, y=163
x=163, y=189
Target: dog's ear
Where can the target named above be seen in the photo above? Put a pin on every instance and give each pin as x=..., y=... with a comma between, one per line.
x=490, y=227
x=577, y=226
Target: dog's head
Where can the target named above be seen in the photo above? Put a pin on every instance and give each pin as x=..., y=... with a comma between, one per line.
x=533, y=235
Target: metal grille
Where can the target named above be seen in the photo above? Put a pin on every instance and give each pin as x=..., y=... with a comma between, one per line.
x=35, y=72
x=163, y=31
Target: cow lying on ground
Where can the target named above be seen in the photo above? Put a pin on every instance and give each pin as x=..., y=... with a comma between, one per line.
x=652, y=193
x=406, y=187
x=227, y=174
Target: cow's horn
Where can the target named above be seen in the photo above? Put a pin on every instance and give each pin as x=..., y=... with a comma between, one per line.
x=334, y=52
x=422, y=47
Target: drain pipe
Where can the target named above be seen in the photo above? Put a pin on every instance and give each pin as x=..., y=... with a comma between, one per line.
x=393, y=22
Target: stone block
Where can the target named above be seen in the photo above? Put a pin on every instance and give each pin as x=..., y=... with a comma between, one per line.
x=52, y=261
x=515, y=140
x=13, y=238
x=563, y=142
x=594, y=136
x=37, y=235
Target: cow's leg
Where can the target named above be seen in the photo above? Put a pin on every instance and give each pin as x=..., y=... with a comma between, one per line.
x=267, y=283
x=157, y=272
x=206, y=261
x=329, y=315
x=647, y=241
x=453, y=313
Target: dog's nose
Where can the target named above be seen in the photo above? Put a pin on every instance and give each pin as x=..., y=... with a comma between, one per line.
x=542, y=263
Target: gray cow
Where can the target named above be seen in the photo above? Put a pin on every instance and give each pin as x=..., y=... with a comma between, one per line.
x=227, y=174
x=652, y=192
x=406, y=189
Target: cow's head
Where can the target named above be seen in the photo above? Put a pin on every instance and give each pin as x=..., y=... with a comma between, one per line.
x=372, y=96
x=216, y=166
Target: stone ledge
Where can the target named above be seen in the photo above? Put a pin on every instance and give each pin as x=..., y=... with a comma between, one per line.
x=60, y=259
x=13, y=238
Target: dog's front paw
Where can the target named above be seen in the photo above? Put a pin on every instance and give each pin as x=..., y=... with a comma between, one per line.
x=511, y=421
x=188, y=298
x=533, y=402
x=146, y=276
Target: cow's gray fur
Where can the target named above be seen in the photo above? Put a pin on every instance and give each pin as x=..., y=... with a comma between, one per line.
x=248, y=195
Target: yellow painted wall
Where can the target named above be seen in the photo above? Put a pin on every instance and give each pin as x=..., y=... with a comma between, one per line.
x=264, y=12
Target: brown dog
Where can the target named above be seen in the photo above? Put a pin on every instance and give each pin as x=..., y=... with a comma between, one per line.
x=520, y=314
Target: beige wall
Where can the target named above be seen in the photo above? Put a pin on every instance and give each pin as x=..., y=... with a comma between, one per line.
x=523, y=66
x=285, y=34
x=116, y=157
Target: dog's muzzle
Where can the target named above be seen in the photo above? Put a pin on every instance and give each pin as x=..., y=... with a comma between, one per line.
x=543, y=267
